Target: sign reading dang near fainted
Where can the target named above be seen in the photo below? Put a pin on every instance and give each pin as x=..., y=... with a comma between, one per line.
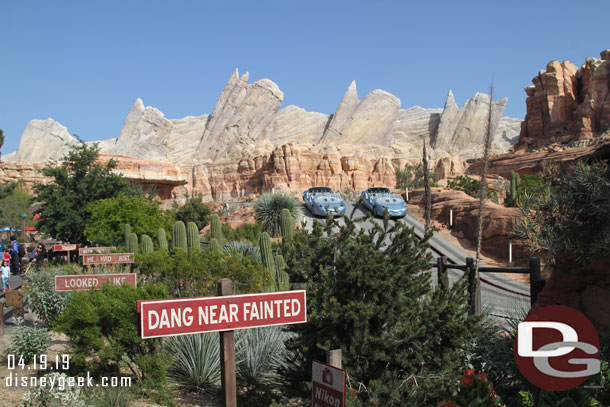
x=328, y=386
x=95, y=281
x=223, y=313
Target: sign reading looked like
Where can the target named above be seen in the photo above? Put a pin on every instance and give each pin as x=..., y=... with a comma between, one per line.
x=108, y=258
x=328, y=386
x=88, y=281
x=224, y=313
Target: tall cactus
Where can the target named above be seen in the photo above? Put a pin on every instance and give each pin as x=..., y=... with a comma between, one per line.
x=127, y=233
x=216, y=228
x=512, y=195
x=147, y=244
x=286, y=226
x=193, y=237
x=267, y=256
x=283, y=280
x=162, y=239
x=132, y=244
x=179, y=235
x=214, y=245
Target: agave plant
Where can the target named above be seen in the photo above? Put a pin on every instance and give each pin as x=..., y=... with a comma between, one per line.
x=243, y=247
x=260, y=352
x=268, y=210
x=195, y=361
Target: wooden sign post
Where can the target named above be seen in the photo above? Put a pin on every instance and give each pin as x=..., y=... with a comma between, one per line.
x=65, y=248
x=227, y=353
x=223, y=313
x=327, y=385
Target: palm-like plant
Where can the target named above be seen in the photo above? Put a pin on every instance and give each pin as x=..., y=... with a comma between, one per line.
x=268, y=210
x=195, y=361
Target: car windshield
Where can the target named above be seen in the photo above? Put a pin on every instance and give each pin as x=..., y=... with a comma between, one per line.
x=321, y=190
x=379, y=191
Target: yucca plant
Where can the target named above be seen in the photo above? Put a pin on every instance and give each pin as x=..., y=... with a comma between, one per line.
x=195, y=361
x=268, y=210
x=243, y=247
x=260, y=352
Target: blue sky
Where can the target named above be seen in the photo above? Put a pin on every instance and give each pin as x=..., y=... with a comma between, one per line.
x=84, y=63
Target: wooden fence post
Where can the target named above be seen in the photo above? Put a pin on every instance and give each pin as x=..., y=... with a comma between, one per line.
x=227, y=353
x=536, y=281
x=333, y=358
x=441, y=273
x=474, y=288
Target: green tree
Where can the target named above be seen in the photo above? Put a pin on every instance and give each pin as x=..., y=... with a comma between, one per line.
x=107, y=218
x=15, y=202
x=372, y=300
x=193, y=210
x=76, y=181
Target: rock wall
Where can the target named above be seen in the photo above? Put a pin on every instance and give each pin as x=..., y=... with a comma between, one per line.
x=567, y=105
x=247, y=121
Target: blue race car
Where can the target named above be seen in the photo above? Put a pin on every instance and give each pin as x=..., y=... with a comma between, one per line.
x=377, y=199
x=322, y=200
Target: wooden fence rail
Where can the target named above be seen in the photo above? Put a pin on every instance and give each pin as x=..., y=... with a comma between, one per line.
x=474, y=292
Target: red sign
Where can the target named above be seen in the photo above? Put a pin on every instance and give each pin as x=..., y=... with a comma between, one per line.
x=87, y=281
x=108, y=258
x=64, y=247
x=93, y=250
x=328, y=386
x=224, y=313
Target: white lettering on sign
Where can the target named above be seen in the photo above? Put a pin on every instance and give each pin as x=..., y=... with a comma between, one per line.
x=206, y=314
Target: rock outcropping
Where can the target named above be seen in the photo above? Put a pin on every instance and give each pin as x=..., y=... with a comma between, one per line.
x=567, y=105
x=247, y=122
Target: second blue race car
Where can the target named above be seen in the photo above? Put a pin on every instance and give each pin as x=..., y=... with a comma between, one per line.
x=322, y=200
x=378, y=199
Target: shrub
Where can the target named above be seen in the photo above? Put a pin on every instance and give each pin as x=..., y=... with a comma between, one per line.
x=375, y=303
x=57, y=396
x=28, y=342
x=466, y=184
x=40, y=295
x=193, y=210
x=412, y=177
x=193, y=274
x=103, y=324
x=195, y=362
x=261, y=352
x=571, y=220
x=105, y=225
x=268, y=210
x=249, y=232
x=111, y=397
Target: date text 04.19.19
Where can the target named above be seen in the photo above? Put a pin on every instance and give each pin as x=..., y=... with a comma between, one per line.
x=38, y=362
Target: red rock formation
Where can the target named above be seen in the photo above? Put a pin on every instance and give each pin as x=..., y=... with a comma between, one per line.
x=567, y=105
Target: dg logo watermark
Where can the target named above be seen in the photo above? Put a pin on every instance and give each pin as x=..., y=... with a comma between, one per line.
x=557, y=348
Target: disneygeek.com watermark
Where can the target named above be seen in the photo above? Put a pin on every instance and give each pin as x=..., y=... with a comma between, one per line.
x=62, y=382
x=53, y=380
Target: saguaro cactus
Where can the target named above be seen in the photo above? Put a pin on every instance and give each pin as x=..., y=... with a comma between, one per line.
x=267, y=256
x=179, y=234
x=147, y=244
x=127, y=233
x=214, y=245
x=512, y=195
x=283, y=280
x=132, y=246
x=286, y=226
x=162, y=239
x=193, y=236
x=216, y=228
